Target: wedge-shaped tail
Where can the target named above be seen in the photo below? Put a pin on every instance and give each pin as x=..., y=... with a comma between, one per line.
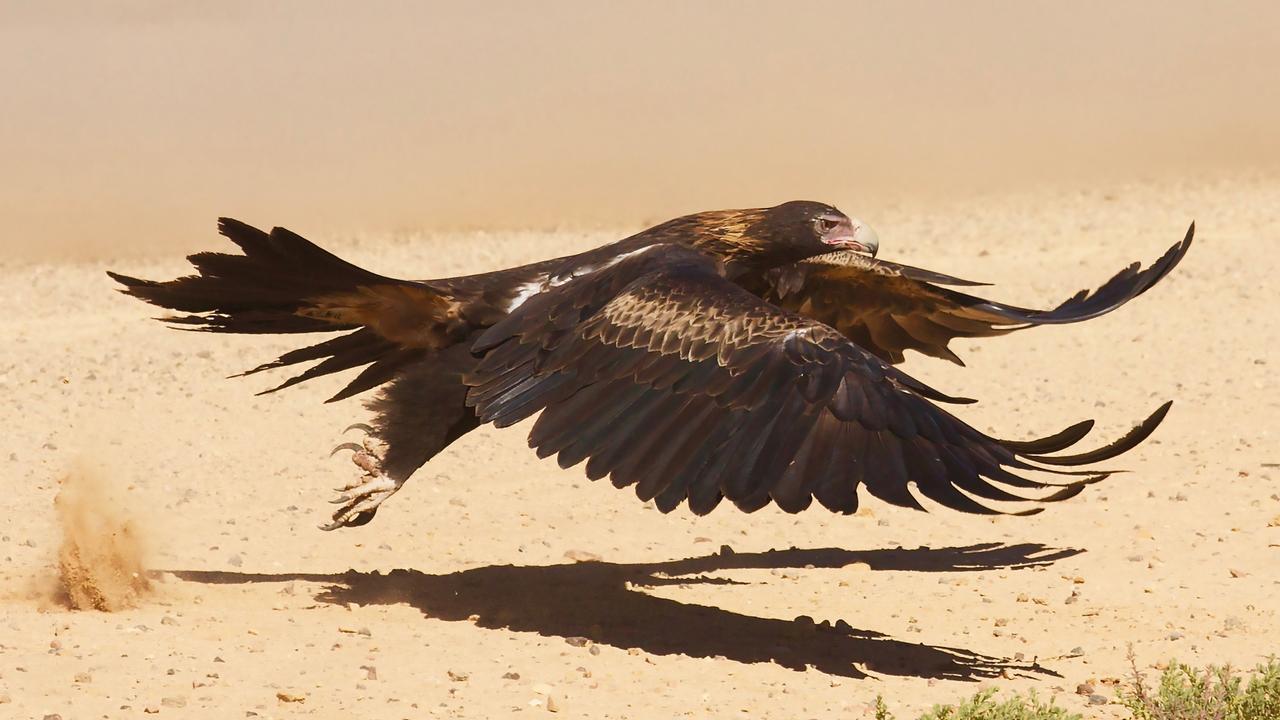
x=283, y=283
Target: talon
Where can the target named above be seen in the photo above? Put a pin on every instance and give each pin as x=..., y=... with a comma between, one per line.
x=353, y=447
x=348, y=519
x=360, y=500
x=331, y=525
x=358, y=426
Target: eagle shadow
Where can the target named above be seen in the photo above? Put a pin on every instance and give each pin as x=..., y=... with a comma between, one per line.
x=604, y=602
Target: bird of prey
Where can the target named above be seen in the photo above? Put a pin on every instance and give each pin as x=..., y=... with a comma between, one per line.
x=740, y=354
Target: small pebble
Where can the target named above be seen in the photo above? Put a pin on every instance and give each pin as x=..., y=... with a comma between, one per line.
x=581, y=556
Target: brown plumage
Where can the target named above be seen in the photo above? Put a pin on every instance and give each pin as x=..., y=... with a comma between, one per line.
x=740, y=354
x=888, y=308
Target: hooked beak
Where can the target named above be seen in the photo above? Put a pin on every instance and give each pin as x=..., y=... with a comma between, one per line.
x=855, y=235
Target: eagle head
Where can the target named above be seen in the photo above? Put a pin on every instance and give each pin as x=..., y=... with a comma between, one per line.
x=816, y=228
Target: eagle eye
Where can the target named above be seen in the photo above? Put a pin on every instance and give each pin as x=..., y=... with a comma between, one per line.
x=825, y=224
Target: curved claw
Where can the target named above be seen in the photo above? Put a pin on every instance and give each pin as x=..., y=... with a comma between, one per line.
x=358, y=426
x=353, y=447
x=348, y=520
x=360, y=501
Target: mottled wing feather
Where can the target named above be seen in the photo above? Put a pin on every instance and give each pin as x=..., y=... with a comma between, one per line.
x=663, y=375
x=888, y=308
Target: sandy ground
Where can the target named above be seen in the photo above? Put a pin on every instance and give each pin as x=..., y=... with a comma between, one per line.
x=463, y=599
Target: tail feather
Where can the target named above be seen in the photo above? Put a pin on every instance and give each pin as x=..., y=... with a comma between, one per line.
x=283, y=283
x=260, y=291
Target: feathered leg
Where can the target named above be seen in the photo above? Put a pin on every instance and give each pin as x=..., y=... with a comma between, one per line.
x=421, y=412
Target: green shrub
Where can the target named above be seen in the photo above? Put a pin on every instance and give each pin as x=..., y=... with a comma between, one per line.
x=1184, y=693
x=1215, y=693
x=984, y=706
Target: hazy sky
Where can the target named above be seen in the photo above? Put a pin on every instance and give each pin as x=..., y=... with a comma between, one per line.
x=129, y=126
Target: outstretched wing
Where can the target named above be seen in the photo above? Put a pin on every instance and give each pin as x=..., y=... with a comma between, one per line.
x=888, y=308
x=664, y=375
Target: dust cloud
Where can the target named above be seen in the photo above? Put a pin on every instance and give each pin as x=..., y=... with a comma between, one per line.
x=100, y=562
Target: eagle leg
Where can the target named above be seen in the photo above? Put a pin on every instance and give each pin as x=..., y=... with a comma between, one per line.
x=361, y=497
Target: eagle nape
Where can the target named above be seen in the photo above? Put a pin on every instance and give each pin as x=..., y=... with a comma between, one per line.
x=741, y=355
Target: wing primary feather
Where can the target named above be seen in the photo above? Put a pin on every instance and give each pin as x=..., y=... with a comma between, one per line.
x=886, y=473
x=696, y=422
x=522, y=402
x=837, y=488
x=561, y=425
x=688, y=462
x=660, y=429
x=1052, y=443
x=589, y=428
x=1124, y=444
x=611, y=447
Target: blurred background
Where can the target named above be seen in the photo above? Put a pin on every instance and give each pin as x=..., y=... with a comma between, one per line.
x=129, y=126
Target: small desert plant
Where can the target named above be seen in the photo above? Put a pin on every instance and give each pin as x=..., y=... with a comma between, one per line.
x=1214, y=693
x=984, y=706
x=1184, y=693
